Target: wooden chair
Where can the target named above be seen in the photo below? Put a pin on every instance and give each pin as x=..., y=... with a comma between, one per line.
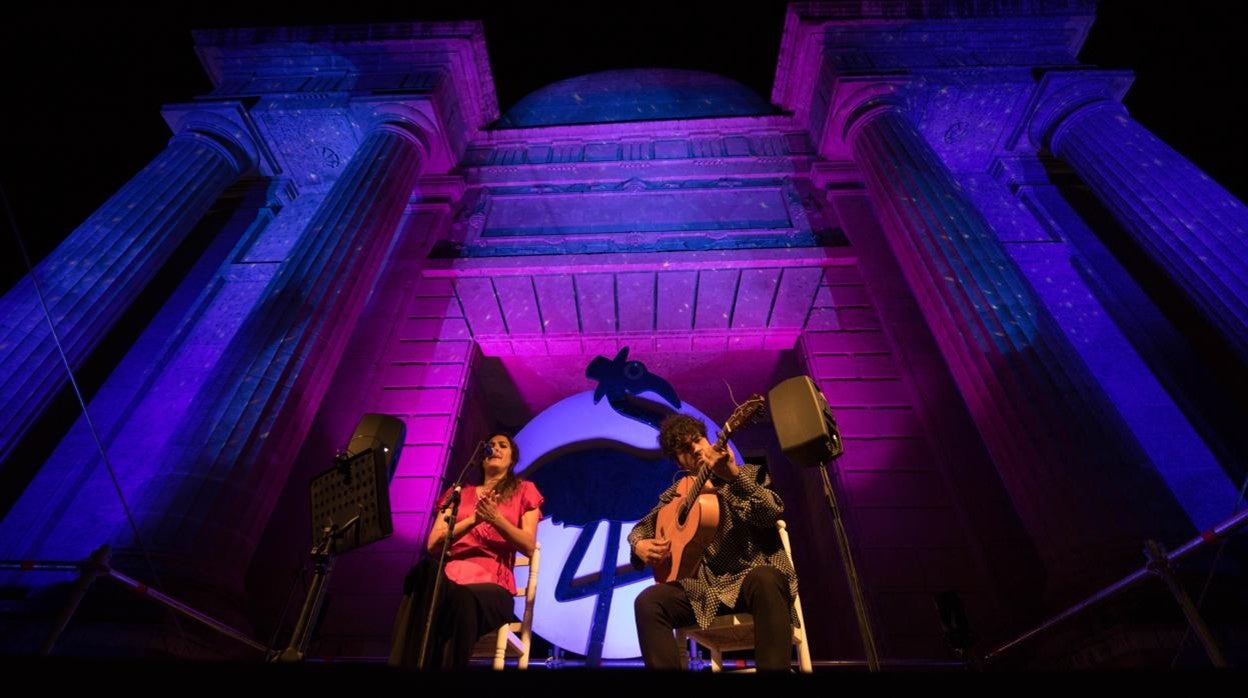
x=513, y=639
x=735, y=631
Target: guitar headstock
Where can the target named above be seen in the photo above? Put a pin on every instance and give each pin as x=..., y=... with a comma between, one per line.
x=749, y=410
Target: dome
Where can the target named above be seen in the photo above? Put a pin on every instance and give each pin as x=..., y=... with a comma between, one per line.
x=635, y=95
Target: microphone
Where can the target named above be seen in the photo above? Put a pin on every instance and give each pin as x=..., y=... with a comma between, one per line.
x=459, y=481
x=489, y=450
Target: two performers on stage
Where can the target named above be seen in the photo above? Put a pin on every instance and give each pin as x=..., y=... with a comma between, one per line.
x=730, y=559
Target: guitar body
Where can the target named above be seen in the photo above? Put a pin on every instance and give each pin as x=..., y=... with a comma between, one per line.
x=689, y=540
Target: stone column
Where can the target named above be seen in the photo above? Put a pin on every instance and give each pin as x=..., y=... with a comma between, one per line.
x=233, y=451
x=92, y=277
x=1082, y=488
x=1188, y=224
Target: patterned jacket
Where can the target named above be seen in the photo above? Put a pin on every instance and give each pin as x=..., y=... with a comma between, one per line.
x=747, y=538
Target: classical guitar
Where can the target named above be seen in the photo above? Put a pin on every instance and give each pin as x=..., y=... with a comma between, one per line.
x=689, y=521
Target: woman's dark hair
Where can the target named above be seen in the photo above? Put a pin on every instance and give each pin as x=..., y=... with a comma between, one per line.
x=511, y=481
x=677, y=430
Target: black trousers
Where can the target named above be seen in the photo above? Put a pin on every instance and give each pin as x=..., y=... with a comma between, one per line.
x=764, y=594
x=462, y=614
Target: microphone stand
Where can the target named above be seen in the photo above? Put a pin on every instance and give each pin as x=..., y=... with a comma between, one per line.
x=452, y=513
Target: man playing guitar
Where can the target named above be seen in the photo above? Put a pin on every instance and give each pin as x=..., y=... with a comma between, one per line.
x=744, y=567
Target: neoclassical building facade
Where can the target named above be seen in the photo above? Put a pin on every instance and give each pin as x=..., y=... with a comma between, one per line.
x=927, y=215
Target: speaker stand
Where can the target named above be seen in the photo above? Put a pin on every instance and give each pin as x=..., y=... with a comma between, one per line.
x=851, y=575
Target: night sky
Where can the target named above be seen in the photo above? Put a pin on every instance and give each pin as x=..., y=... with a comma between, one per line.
x=85, y=84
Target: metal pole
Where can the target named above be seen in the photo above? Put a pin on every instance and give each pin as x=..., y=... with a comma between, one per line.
x=1205, y=539
x=452, y=513
x=94, y=566
x=1159, y=565
x=851, y=574
x=186, y=611
x=323, y=560
x=98, y=565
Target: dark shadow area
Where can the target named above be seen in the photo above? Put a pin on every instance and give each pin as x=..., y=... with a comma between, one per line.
x=1194, y=363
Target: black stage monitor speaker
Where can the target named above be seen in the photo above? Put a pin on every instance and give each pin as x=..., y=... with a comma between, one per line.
x=383, y=432
x=804, y=422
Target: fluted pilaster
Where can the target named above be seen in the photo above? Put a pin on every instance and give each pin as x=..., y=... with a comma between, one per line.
x=91, y=278
x=1187, y=223
x=229, y=461
x=1083, y=491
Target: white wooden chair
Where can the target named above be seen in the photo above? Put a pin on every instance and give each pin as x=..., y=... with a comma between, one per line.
x=513, y=639
x=735, y=631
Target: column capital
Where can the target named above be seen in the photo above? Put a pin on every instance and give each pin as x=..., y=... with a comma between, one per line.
x=414, y=119
x=1062, y=94
x=855, y=101
x=226, y=126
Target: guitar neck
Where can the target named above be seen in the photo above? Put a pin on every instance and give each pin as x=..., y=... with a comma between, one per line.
x=739, y=416
x=699, y=481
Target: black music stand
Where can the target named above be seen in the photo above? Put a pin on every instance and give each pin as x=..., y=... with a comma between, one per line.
x=350, y=509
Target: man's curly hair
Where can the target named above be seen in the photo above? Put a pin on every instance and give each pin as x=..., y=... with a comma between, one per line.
x=676, y=430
